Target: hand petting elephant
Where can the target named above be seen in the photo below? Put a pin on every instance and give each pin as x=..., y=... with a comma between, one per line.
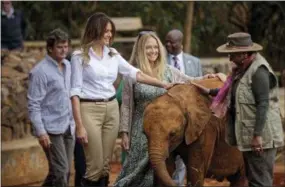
x=180, y=122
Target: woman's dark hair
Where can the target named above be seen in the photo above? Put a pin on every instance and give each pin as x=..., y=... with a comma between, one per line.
x=94, y=30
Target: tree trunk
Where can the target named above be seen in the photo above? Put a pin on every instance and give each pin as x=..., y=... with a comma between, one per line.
x=188, y=27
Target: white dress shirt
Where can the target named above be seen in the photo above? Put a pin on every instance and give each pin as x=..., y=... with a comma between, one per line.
x=179, y=61
x=95, y=79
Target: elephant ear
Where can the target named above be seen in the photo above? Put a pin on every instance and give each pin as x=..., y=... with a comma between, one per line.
x=198, y=109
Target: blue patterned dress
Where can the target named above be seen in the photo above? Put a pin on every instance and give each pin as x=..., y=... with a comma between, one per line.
x=137, y=171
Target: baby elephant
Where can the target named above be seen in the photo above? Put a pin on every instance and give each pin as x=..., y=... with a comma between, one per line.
x=180, y=122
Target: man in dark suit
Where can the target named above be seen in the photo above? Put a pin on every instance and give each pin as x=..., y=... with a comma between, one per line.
x=188, y=65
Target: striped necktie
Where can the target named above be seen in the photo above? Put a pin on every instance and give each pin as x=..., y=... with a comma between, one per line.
x=176, y=65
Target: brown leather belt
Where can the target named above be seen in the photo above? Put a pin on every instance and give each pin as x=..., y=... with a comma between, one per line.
x=98, y=100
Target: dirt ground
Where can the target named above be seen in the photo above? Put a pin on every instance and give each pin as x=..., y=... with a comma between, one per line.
x=279, y=176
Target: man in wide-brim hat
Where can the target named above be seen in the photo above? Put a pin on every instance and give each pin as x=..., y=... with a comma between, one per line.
x=249, y=98
x=239, y=42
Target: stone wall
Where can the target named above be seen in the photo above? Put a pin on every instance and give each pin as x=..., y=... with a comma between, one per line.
x=15, y=67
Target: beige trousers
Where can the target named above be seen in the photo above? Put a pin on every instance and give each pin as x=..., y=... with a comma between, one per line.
x=101, y=121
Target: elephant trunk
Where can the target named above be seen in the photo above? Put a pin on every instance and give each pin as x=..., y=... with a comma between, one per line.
x=158, y=163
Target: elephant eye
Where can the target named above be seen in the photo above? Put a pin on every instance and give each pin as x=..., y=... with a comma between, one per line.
x=172, y=133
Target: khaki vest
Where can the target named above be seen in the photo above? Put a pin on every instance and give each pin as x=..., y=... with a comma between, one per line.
x=272, y=135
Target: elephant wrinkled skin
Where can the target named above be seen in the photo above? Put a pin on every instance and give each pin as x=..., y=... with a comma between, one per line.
x=180, y=122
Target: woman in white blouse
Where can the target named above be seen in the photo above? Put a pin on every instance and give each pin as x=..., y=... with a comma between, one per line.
x=95, y=108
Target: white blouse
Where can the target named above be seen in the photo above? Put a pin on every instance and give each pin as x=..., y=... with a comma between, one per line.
x=95, y=79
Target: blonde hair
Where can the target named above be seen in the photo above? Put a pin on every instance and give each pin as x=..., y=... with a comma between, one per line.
x=94, y=30
x=139, y=58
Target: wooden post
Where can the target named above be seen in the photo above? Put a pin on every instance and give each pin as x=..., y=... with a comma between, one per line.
x=188, y=27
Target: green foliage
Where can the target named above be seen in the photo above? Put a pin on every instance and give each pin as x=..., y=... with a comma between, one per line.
x=212, y=21
x=265, y=21
x=159, y=16
x=210, y=27
x=44, y=16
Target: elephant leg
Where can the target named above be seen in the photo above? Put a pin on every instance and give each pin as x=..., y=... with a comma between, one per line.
x=200, y=156
x=227, y=161
x=195, y=166
x=238, y=179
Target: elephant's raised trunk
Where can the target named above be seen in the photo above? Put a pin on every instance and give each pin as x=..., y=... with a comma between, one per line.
x=158, y=163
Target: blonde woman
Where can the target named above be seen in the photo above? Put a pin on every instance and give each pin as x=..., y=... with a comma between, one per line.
x=95, y=108
x=148, y=55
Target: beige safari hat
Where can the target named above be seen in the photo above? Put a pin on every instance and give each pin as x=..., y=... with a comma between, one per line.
x=239, y=42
